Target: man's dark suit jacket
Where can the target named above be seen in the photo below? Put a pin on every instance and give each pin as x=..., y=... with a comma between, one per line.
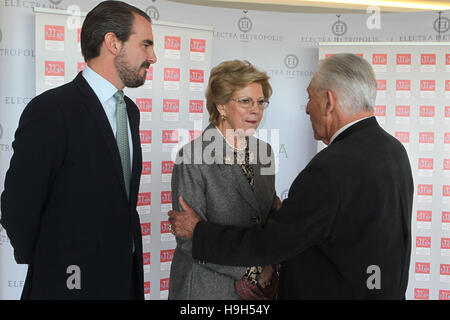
x=348, y=210
x=65, y=202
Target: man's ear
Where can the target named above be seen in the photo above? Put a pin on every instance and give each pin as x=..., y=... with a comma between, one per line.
x=112, y=44
x=331, y=102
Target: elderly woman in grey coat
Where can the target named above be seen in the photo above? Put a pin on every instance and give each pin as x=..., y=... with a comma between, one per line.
x=221, y=174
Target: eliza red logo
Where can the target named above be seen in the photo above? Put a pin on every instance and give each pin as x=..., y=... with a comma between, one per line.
x=425, y=163
x=146, y=136
x=147, y=287
x=427, y=85
x=381, y=85
x=172, y=43
x=146, y=167
x=422, y=267
x=166, y=197
x=403, y=59
x=424, y=215
x=54, y=33
x=445, y=243
x=428, y=59
x=164, y=284
x=144, y=199
x=427, y=111
x=165, y=227
x=54, y=68
x=446, y=191
x=171, y=105
x=426, y=137
x=423, y=242
x=379, y=58
x=402, y=111
x=171, y=74
x=444, y=294
x=167, y=167
x=198, y=45
x=380, y=111
x=447, y=137
x=146, y=258
x=170, y=136
x=166, y=255
x=425, y=189
x=196, y=106
x=403, y=85
x=144, y=104
x=146, y=229
x=196, y=76
x=445, y=217
x=421, y=294
x=445, y=269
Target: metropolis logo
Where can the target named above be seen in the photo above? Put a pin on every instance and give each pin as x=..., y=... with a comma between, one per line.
x=245, y=24
x=339, y=28
x=441, y=25
x=55, y=2
x=291, y=61
x=152, y=12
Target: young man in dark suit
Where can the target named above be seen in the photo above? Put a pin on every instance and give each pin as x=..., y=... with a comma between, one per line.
x=77, y=162
x=344, y=232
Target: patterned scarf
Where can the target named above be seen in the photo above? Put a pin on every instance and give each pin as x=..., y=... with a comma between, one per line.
x=252, y=272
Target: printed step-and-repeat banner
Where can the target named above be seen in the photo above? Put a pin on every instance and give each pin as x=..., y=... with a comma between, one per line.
x=413, y=104
x=285, y=45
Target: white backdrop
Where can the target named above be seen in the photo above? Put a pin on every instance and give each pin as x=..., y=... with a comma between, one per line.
x=283, y=44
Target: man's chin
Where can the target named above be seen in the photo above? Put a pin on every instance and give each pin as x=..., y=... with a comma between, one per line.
x=136, y=83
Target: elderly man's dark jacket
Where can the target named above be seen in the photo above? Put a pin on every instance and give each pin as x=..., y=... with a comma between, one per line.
x=344, y=232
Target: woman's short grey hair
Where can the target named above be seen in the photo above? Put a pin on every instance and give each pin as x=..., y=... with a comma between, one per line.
x=351, y=78
x=228, y=77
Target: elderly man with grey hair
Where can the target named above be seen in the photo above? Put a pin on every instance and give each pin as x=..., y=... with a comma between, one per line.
x=344, y=232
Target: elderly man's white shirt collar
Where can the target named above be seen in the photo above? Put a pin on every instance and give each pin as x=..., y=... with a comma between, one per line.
x=348, y=125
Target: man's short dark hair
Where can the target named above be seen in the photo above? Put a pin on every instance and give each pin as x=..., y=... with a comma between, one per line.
x=108, y=16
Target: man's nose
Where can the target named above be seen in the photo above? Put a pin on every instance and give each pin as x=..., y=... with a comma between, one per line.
x=151, y=57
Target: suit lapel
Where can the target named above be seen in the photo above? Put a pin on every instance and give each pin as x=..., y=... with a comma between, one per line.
x=242, y=185
x=233, y=172
x=137, y=152
x=95, y=108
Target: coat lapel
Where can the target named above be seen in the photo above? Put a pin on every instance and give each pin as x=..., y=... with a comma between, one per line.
x=137, y=152
x=233, y=172
x=95, y=108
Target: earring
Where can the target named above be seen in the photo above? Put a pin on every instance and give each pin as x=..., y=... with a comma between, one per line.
x=223, y=117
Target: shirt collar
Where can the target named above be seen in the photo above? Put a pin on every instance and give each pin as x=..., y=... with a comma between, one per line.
x=102, y=87
x=348, y=125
